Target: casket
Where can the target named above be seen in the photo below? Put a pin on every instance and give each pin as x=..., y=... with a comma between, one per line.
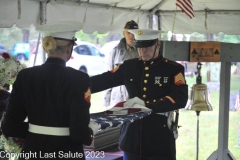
x=105, y=139
x=108, y=135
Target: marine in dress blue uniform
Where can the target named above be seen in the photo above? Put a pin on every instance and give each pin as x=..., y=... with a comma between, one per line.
x=161, y=85
x=55, y=99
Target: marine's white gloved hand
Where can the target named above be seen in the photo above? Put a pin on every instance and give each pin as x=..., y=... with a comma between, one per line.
x=143, y=108
x=94, y=126
x=129, y=103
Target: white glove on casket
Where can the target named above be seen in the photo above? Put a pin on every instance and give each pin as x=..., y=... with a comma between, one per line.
x=129, y=103
x=94, y=126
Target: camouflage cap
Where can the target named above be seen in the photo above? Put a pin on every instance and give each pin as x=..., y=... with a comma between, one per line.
x=131, y=25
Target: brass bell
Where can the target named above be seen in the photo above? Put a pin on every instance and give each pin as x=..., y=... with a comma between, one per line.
x=198, y=100
x=198, y=97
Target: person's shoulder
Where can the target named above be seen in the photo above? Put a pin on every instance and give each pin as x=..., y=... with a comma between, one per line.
x=116, y=48
x=172, y=63
x=132, y=60
x=121, y=45
x=28, y=69
x=76, y=73
x=76, y=76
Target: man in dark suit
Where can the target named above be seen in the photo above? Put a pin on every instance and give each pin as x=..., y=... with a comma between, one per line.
x=54, y=98
x=152, y=81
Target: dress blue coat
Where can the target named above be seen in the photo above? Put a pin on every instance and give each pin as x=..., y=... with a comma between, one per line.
x=161, y=84
x=50, y=95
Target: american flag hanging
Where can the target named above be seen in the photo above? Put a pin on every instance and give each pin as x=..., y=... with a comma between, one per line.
x=237, y=104
x=186, y=7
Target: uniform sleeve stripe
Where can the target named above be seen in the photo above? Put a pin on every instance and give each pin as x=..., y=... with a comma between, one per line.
x=87, y=95
x=115, y=69
x=179, y=79
x=170, y=98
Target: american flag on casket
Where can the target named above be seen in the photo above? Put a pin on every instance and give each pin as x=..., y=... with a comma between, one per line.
x=118, y=115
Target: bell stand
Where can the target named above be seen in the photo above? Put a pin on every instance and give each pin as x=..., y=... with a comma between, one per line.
x=228, y=55
x=222, y=153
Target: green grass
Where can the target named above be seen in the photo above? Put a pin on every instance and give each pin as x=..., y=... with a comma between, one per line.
x=208, y=125
x=208, y=134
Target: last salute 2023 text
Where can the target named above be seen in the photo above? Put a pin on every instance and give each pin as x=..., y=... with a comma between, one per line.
x=61, y=154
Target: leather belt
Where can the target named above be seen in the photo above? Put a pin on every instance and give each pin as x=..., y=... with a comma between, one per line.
x=54, y=131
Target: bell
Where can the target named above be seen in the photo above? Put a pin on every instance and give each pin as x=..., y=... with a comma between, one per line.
x=198, y=98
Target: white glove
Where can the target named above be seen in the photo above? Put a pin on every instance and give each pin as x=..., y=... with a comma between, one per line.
x=94, y=126
x=129, y=103
x=143, y=108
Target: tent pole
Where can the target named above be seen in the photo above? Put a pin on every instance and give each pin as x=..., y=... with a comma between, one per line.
x=36, y=52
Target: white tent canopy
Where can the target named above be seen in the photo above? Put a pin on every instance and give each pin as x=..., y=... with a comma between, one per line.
x=211, y=16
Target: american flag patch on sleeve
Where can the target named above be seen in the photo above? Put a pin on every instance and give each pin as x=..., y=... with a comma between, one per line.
x=179, y=79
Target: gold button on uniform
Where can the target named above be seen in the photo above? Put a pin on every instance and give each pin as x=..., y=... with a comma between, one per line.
x=146, y=68
x=160, y=84
x=154, y=100
x=131, y=79
x=144, y=96
x=147, y=102
x=147, y=75
x=166, y=60
x=145, y=81
x=144, y=88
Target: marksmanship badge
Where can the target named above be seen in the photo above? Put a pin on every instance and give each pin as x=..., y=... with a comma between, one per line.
x=165, y=79
x=157, y=80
